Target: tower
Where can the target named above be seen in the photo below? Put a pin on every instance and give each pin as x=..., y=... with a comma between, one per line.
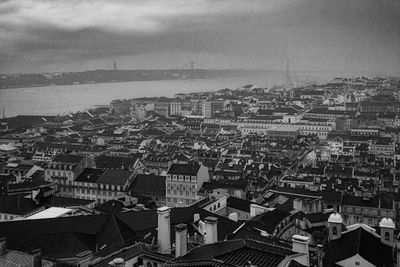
x=387, y=230
x=335, y=226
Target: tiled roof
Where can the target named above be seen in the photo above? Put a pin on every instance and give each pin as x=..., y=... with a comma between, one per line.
x=239, y=204
x=59, y=201
x=15, y=258
x=90, y=175
x=112, y=206
x=68, y=159
x=237, y=253
x=148, y=184
x=184, y=169
x=17, y=204
x=316, y=217
x=268, y=221
x=66, y=236
x=384, y=201
x=115, y=162
x=115, y=177
x=358, y=241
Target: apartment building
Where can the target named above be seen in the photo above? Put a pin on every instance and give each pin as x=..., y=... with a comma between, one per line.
x=183, y=183
x=64, y=169
x=102, y=185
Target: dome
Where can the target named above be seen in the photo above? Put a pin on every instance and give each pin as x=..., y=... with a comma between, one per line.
x=386, y=223
x=335, y=218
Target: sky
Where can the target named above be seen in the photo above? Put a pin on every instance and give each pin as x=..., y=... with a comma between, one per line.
x=316, y=35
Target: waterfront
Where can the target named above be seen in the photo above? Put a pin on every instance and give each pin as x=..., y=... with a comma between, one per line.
x=54, y=100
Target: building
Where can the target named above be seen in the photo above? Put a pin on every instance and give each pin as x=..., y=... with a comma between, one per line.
x=213, y=107
x=161, y=107
x=102, y=185
x=18, y=258
x=359, y=244
x=120, y=106
x=184, y=182
x=64, y=169
x=366, y=209
x=175, y=107
x=149, y=185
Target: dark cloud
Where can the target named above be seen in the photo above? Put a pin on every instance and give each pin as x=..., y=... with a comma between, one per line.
x=359, y=35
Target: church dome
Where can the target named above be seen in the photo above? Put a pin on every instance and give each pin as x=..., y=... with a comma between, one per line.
x=386, y=223
x=335, y=218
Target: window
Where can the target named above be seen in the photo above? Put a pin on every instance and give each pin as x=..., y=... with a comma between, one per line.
x=168, y=177
x=334, y=230
x=174, y=177
x=180, y=178
x=387, y=236
x=194, y=178
x=187, y=178
x=168, y=192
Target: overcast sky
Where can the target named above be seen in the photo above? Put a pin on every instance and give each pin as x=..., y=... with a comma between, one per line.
x=328, y=35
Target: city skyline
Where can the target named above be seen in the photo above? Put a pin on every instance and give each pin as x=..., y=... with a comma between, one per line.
x=316, y=35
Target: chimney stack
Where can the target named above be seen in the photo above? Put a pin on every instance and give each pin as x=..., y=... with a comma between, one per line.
x=3, y=248
x=211, y=230
x=300, y=245
x=320, y=255
x=37, y=258
x=180, y=240
x=164, y=233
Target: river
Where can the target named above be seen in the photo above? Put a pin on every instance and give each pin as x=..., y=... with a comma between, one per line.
x=54, y=100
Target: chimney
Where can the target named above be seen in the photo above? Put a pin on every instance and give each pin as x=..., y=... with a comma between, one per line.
x=397, y=253
x=164, y=233
x=387, y=229
x=180, y=240
x=300, y=245
x=117, y=262
x=211, y=230
x=3, y=248
x=37, y=258
x=83, y=258
x=320, y=255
